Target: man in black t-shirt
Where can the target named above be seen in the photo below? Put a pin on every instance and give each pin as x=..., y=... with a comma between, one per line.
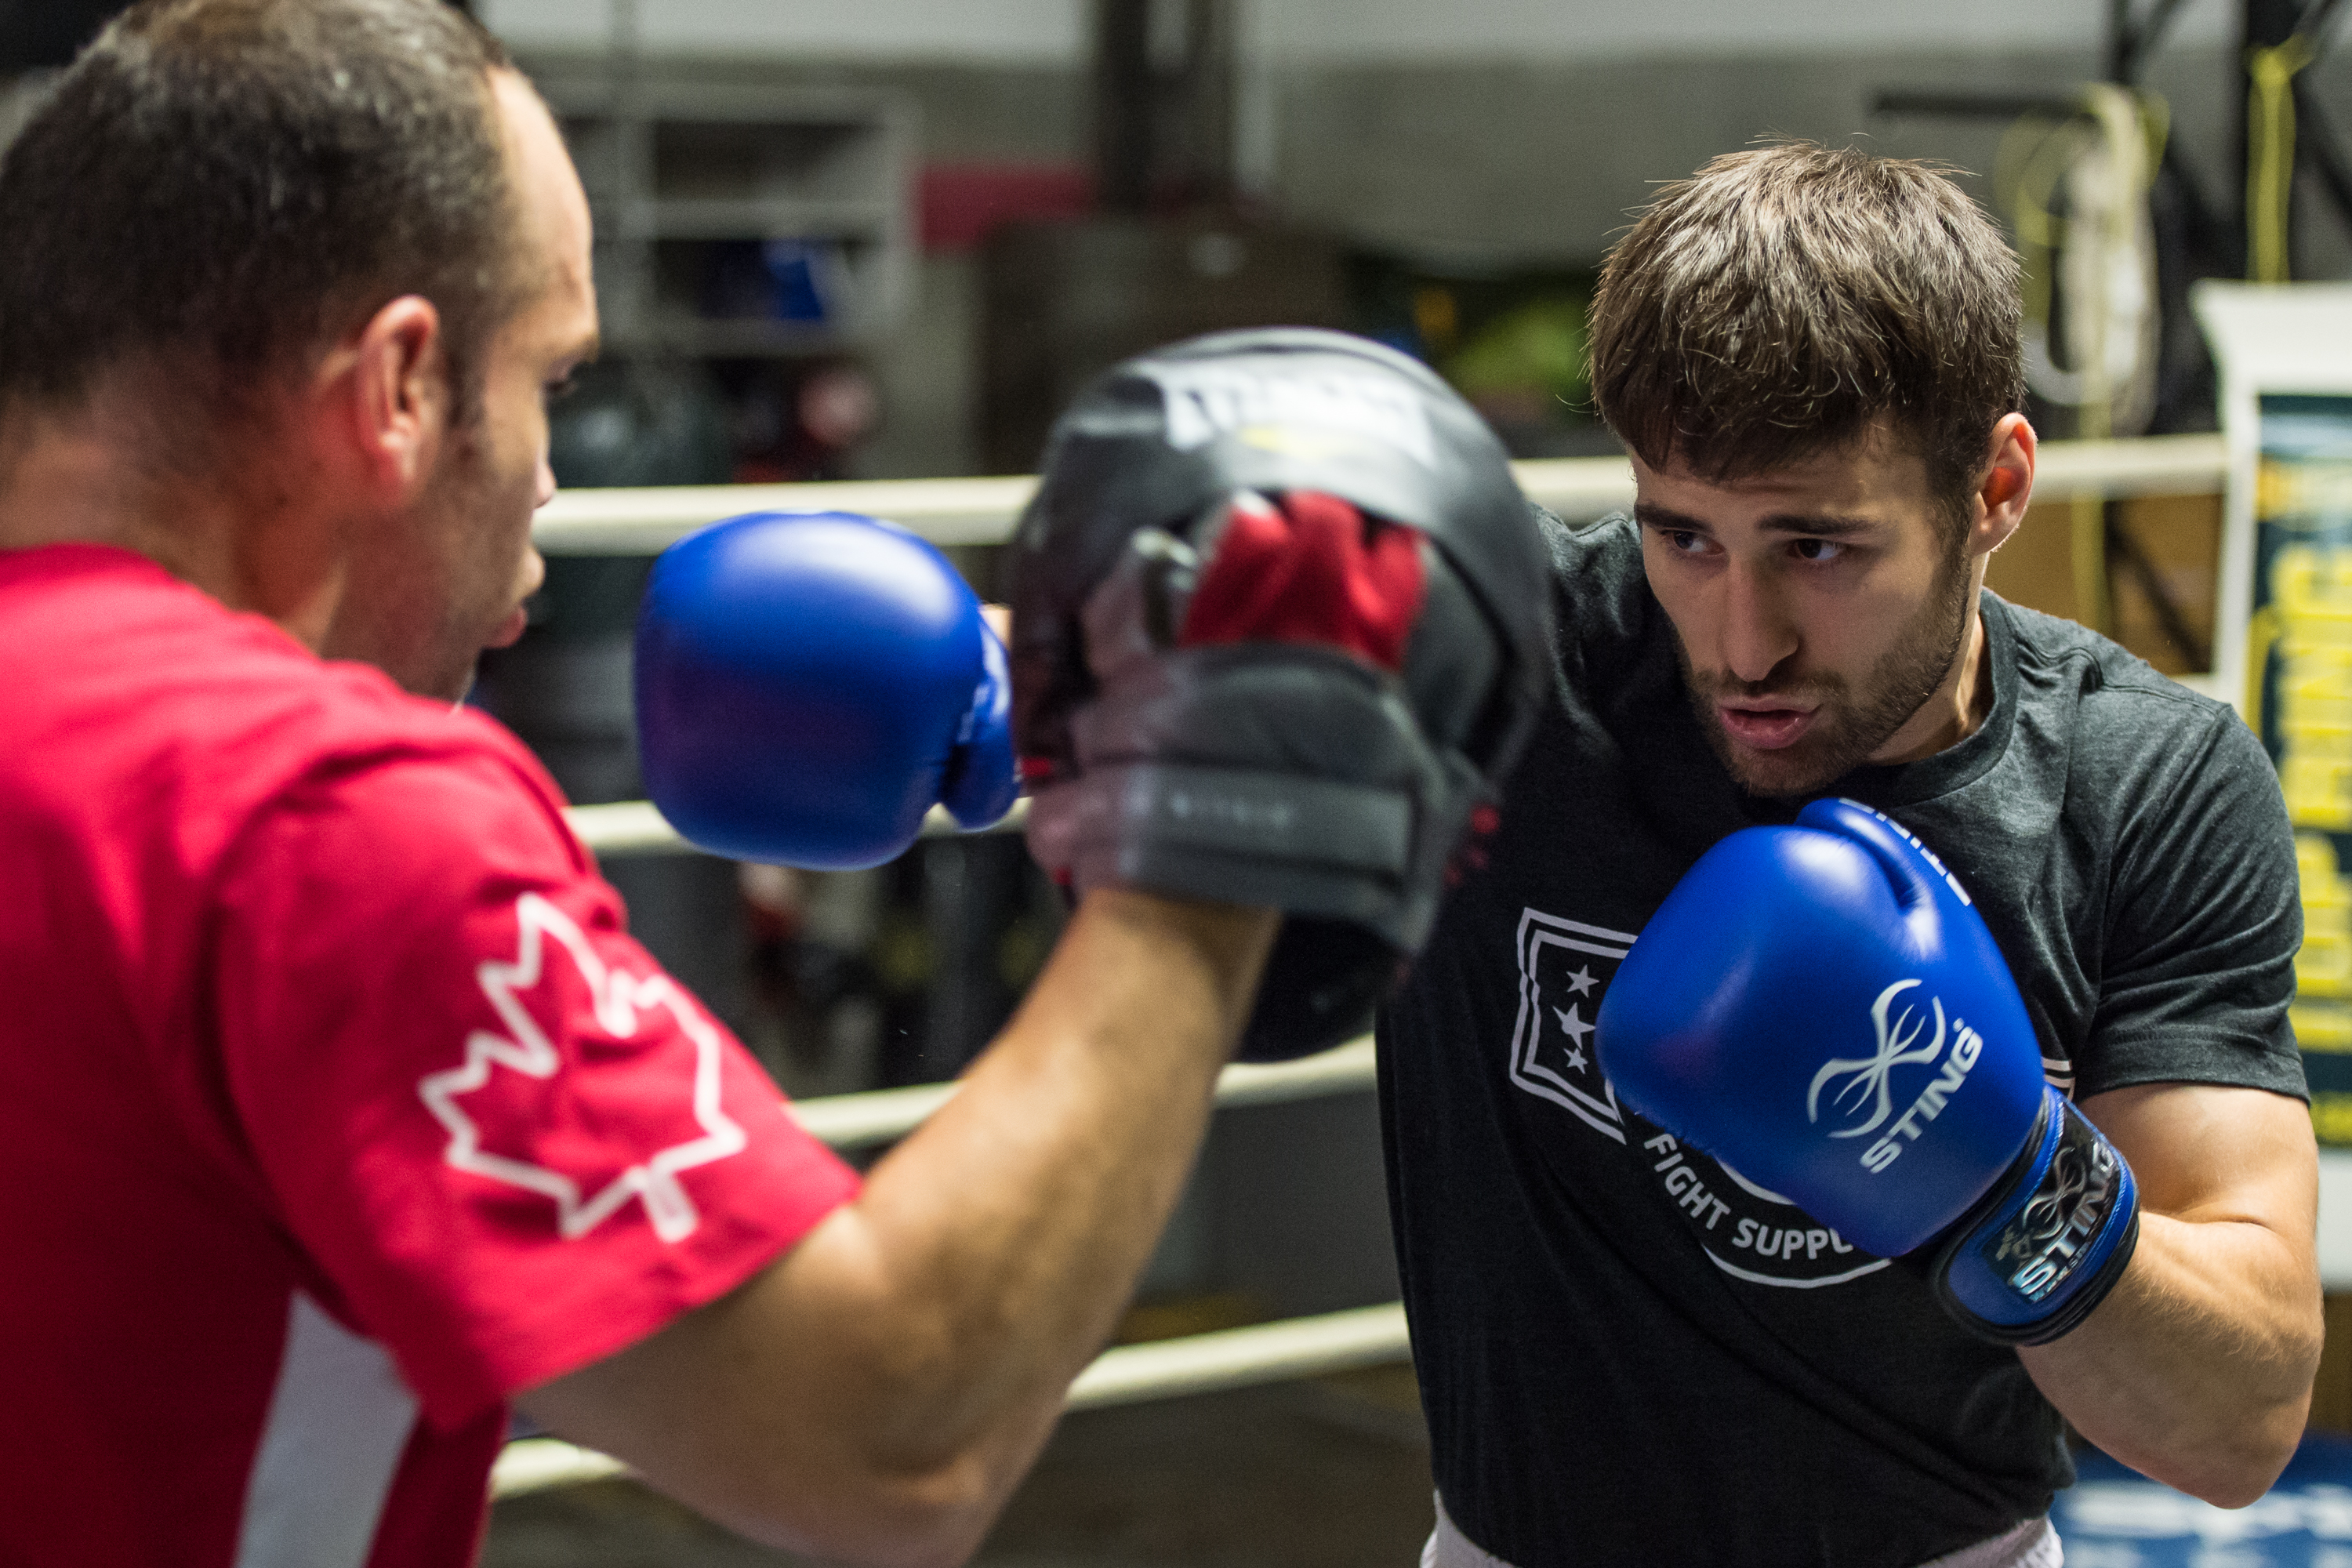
x=1631, y=1352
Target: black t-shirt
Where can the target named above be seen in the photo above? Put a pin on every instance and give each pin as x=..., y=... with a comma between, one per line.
x=1630, y=1354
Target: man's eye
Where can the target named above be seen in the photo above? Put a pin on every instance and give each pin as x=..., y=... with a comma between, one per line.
x=1686, y=542
x=557, y=391
x=1817, y=549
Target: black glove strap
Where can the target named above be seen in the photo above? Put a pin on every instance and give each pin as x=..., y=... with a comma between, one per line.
x=2003, y=1229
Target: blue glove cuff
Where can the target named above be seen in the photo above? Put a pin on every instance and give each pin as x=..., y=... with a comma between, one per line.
x=2050, y=1241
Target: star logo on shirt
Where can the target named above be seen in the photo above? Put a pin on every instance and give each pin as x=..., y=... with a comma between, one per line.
x=1572, y=1025
x=1564, y=968
x=619, y=1001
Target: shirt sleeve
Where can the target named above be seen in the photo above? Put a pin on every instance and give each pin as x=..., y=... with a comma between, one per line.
x=2204, y=920
x=509, y=1141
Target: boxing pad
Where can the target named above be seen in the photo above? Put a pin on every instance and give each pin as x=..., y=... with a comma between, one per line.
x=808, y=685
x=1823, y=1008
x=1278, y=628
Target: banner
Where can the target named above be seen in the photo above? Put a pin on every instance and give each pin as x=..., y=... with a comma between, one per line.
x=2285, y=636
x=2299, y=700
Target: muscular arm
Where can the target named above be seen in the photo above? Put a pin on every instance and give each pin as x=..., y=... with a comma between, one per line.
x=2196, y=1370
x=876, y=1394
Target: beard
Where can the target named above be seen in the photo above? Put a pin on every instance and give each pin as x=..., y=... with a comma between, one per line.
x=471, y=512
x=1854, y=718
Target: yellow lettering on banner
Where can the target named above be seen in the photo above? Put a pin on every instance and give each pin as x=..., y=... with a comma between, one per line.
x=2283, y=489
x=2319, y=1016
x=2319, y=1027
x=2311, y=590
x=2331, y=1117
x=2299, y=645
x=2324, y=966
x=2318, y=790
x=2273, y=489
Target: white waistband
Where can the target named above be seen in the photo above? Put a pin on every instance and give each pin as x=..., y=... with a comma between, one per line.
x=2032, y=1544
x=1449, y=1548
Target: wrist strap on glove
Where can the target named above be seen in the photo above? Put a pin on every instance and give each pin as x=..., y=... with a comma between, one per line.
x=2050, y=1241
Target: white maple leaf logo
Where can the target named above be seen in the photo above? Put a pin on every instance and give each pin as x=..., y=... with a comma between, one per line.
x=620, y=1000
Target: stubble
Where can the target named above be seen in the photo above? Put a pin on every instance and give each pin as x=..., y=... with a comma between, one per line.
x=1856, y=717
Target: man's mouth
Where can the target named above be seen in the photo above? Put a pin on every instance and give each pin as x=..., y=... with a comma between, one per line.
x=1765, y=729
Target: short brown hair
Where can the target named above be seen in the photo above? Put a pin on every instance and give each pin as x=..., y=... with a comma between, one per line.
x=1783, y=300
x=229, y=184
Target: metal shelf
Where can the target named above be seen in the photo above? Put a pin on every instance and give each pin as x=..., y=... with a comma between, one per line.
x=670, y=165
x=675, y=218
x=705, y=338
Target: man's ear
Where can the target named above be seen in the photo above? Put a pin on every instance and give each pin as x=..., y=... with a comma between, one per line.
x=2005, y=488
x=398, y=399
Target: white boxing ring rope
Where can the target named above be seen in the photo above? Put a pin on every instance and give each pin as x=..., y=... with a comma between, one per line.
x=981, y=512
x=632, y=827
x=884, y=1115
x=1163, y=1369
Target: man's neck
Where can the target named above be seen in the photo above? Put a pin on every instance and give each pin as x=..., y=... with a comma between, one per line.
x=1957, y=709
x=88, y=477
x=63, y=480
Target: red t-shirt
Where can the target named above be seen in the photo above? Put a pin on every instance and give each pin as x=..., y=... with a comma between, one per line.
x=336, y=1105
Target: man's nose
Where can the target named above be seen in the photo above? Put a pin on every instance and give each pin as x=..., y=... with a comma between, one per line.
x=1758, y=634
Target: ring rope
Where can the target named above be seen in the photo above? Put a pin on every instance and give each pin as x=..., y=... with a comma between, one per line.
x=624, y=521
x=627, y=828
x=885, y=1115
x=1130, y=1374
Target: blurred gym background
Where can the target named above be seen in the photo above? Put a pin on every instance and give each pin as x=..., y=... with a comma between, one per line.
x=889, y=239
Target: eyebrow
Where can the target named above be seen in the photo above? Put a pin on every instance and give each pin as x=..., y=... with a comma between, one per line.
x=1809, y=525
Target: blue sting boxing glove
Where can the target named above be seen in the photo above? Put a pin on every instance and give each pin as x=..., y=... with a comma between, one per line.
x=1821, y=1007
x=808, y=684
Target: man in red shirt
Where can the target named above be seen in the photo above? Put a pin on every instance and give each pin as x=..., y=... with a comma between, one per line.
x=338, y=1111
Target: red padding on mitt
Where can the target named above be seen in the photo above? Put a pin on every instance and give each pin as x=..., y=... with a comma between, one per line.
x=1312, y=570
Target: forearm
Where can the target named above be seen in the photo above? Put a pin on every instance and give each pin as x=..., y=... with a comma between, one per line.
x=890, y=1380
x=2196, y=1370
x=874, y=1394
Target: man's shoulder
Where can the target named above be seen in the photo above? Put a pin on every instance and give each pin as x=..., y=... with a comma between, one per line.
x=2117, y=698
x=144, y=701
x=1609, y=547
x=1601, y=591
x=2131, y=755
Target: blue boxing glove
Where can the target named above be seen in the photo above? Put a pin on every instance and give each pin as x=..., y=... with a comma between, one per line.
x=1821, y=1007
x=808, y=684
